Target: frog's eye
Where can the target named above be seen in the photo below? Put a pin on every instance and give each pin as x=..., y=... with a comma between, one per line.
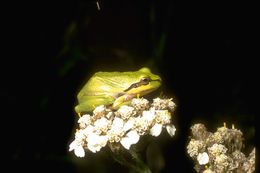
x=145, y=80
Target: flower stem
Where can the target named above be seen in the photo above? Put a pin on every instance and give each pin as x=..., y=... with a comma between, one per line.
x=131, y=159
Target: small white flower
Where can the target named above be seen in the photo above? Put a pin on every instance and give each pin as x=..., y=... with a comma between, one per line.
x=203, y=158
x=156, y=130
x=171, y=129
x=222, y=161
x=141, y=125
x=72, y=145
x=171, y=105
x=194, y=147
x=101, y=125
x=99, y=109
x=116, y=132
x=78, y=149
x=140, y=104
x=99, y=112
x=131, y=138
x=163, y=104
x=84, y=121
x=217, y=149
x=79, y=135
x=159, y=104
x=163, y=117
x=88, y=130
x=125, y=112
x=96, y=142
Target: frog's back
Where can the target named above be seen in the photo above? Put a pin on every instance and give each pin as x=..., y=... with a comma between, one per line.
x=103, y=83
x=118, y=79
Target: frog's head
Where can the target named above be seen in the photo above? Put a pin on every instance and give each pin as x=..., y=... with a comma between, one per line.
x=144, y=82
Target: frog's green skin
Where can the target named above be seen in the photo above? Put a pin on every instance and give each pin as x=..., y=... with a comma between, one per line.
x=115, y=89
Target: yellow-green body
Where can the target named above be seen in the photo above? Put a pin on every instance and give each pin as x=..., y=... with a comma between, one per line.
x=115, y=89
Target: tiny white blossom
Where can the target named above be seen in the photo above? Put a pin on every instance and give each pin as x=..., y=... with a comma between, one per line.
x=156, y=130
x=171, y=105
x=171, y=129
x=79, y=135
x=88, y=130
x=99, y=112
x=163, y=104
x=222, y=161
x=101, y=125
x=158, y=103
x=84, y=121
x=125, y=112
x=131, y=138
x=116, y=132
x=99, y=109
x=96, y=142
x=78, y=149
x=72, y=145
x=141, y=125
x=195, y=147
x=140, y=104
x=163, y=117
x=217, y=149
x=203, y=158
x=208, y=171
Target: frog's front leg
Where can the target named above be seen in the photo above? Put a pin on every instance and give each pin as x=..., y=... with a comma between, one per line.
x=123, y=100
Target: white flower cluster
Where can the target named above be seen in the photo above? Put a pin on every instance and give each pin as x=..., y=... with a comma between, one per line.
x=125, y=125
x=219, y=151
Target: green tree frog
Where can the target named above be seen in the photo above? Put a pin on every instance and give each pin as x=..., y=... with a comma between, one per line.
x=115, y=89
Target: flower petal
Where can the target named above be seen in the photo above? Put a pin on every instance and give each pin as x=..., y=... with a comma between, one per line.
x=131, y=138
x=117, y=124
x=126, y=142
x=96, y=142
x=72, y=145
x=79, y=151
x=149, y=115
x=129, y=124
x=171, y=129
x=203, y=158
x=156, y=130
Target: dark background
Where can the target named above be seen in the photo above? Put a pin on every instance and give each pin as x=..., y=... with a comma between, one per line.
x=202, y=50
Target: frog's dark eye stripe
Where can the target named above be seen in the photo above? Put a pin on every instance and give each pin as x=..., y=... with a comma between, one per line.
x=135, y=85
x=143, y=81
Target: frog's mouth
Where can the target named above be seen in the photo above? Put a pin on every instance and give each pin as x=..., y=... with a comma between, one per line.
x=130, y=96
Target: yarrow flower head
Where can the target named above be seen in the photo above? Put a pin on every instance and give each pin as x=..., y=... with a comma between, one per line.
x=219, y=151
x=124, y=126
